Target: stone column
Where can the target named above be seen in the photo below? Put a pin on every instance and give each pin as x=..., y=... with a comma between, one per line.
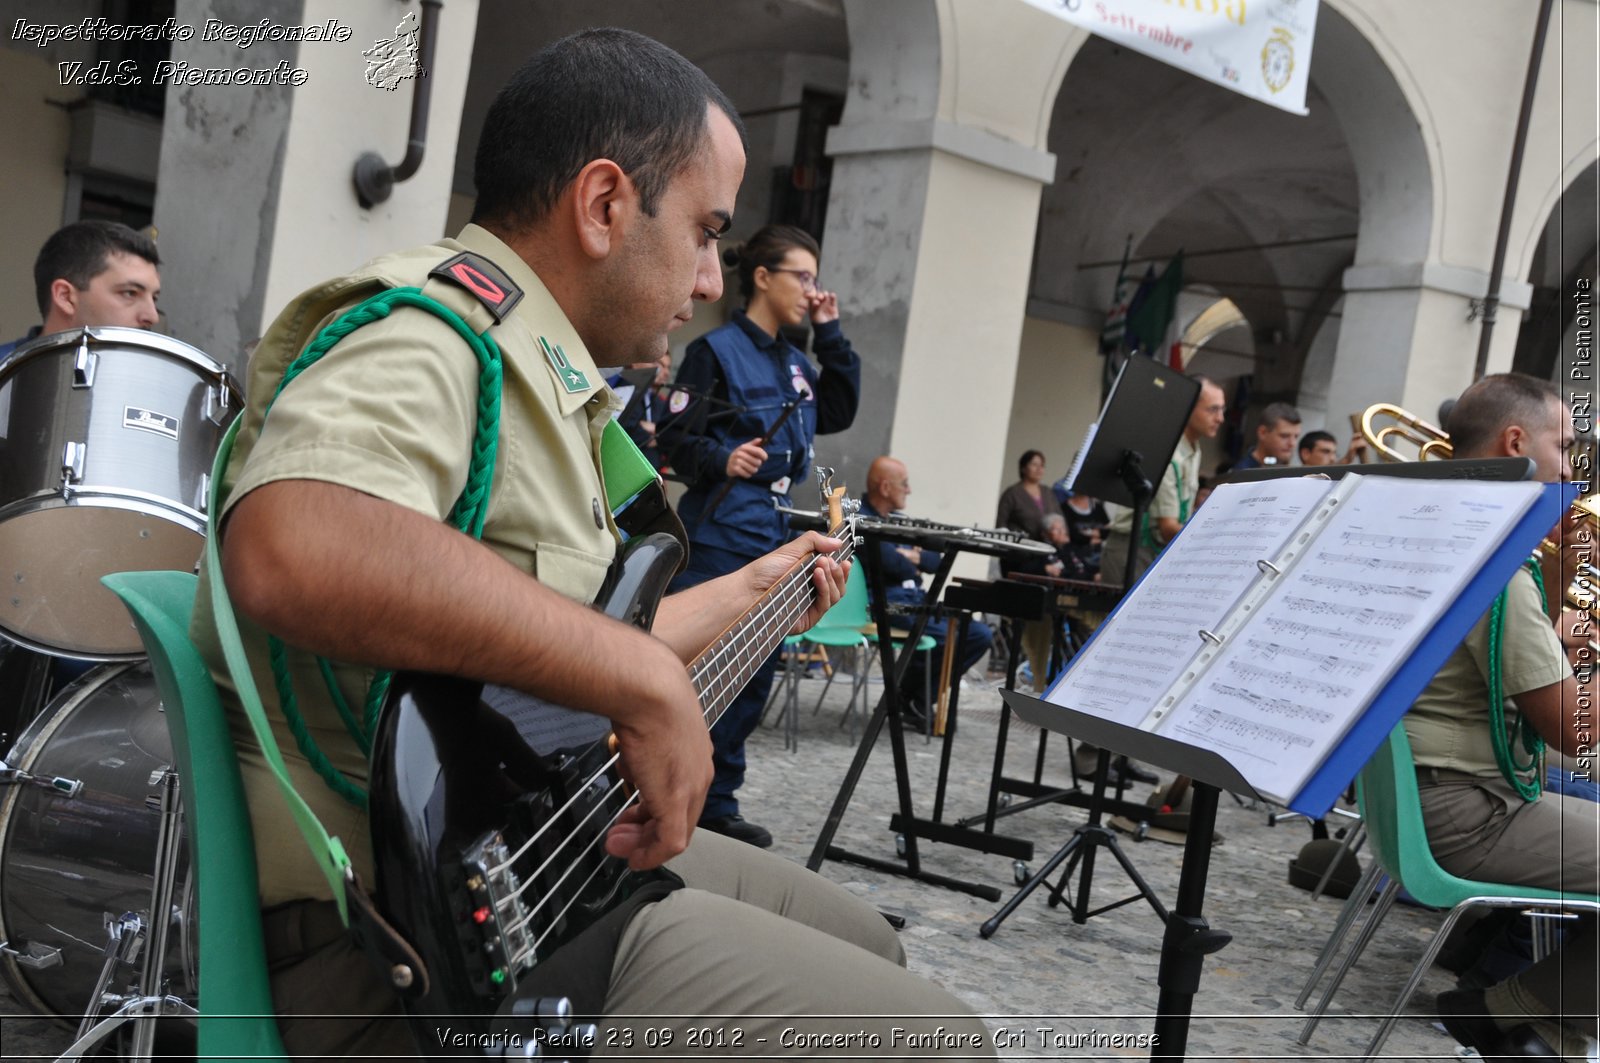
x=254, y=201
x=931, y=225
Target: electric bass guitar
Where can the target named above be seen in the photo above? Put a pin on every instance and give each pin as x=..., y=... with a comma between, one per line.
x=490, y=808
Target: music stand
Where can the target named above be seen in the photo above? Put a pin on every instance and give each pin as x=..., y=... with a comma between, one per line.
x=1139, y=428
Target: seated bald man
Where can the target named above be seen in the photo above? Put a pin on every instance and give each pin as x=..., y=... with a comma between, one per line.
x=888, y=488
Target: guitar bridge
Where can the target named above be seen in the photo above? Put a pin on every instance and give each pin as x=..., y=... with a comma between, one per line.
x=496, y=938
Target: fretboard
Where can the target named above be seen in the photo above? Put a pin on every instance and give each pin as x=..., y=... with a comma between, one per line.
x=724, y=667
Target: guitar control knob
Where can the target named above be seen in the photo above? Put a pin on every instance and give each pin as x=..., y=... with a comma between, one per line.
x=401, y=976
x=548, y=1011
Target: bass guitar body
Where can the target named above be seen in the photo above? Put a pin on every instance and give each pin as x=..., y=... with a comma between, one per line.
x=488, y=811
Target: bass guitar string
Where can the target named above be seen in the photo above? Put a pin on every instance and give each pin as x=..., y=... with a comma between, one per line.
x=789, y=590
x=783, y=589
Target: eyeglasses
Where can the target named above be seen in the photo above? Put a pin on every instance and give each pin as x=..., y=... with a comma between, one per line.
x=808, y=280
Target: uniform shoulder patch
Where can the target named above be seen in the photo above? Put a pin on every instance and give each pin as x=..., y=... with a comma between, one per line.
x=486, y=281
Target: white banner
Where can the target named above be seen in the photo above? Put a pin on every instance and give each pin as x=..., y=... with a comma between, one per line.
x=1261, y=48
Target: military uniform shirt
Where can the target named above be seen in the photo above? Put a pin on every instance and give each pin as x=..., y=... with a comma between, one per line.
x=391, y=411
x=1449, y=723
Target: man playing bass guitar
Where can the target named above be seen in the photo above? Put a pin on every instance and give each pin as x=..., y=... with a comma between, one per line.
x=606, y=172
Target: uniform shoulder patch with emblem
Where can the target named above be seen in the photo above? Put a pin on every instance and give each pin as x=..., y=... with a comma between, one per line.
x=486, y=281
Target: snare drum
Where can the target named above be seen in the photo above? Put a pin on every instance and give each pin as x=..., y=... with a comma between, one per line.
x=108, y=440
x=68, y=863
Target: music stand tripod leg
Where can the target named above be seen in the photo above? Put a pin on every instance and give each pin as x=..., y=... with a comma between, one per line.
x=1189, y=939
x=1079, y=854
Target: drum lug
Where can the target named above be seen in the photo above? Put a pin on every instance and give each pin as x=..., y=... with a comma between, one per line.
x=203, y=502
x=37, y=956
x=83, y=363
x=218, y=404
x=72, y=458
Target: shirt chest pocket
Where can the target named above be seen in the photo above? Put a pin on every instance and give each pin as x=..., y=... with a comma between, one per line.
x=574, y=573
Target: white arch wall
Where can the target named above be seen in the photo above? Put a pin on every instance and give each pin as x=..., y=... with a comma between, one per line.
x=1405, y=336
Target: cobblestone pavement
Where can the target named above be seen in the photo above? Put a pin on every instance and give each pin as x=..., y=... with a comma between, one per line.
x=1044, y=983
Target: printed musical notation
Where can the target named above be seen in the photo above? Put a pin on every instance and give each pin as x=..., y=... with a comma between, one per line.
x=1301, y=646
x=1325, y=662
x=1294, y=674
x=1242, y=734
x=1385, y=564
x=1197, y=580
x=1341, y=638
x=1281, y=707
x=1274, y=679
x=1363, y=588
x=1365, y=616
x=1424, y=544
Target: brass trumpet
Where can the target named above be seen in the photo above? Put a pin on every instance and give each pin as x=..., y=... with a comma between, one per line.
x=1429, y=439
x=1582, y=591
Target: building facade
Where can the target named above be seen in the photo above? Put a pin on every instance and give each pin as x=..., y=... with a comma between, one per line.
x=974, y=169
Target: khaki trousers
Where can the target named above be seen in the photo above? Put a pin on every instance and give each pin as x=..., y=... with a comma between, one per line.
x=1480, y=829
x=756, y=950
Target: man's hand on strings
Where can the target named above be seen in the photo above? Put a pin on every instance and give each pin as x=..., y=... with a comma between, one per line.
x=828, y=578
x=665, y=751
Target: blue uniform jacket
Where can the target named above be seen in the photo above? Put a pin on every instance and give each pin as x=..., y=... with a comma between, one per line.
x=757, y=373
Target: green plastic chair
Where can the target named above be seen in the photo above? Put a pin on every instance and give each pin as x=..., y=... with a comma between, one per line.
x=839, y=628
x=1391, y=808
x=236, y=1012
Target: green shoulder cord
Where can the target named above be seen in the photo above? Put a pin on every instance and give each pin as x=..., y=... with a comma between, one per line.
x=1146, y=536
x=466, y=515
x=1499, y=734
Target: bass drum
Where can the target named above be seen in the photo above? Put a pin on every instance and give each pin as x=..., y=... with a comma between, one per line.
x=71, y=865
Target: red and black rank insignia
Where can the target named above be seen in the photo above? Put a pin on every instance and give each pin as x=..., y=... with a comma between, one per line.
x=486, y=281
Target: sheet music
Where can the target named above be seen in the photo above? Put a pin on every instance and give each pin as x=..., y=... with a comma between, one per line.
x=1077, y=459
x=1293, y=678
x=1146, y=645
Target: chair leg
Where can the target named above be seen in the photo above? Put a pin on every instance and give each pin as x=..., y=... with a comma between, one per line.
x=1416, y=979
x=1352, y=838
x=1353, y=907
x=1385, y=902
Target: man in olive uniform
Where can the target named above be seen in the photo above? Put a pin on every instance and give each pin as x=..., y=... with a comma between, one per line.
x=608, y=169
x=1481, y=802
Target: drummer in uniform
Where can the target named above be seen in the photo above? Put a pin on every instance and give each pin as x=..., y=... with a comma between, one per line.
x=87, y=274
x=93, y=273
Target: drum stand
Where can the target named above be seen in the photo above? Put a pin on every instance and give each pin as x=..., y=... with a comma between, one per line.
x=127, y=937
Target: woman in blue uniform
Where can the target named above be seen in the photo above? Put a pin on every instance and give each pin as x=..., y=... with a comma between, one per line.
x=749, y=365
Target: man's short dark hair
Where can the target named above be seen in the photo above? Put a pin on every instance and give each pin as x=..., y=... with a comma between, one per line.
x=599, y=94
x=1495, y=403
x=77, y=254
x=1309, y=441
x=1277, y=413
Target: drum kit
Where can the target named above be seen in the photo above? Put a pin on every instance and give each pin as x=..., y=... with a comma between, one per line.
x=106, y=442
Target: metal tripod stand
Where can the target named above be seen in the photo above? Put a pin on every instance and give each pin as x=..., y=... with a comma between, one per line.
x=1079, y=854
x=128, y=936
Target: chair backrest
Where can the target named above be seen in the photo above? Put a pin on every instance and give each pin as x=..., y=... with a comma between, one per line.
x=1391, y=807
x=850, y=611
x=235, y=993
